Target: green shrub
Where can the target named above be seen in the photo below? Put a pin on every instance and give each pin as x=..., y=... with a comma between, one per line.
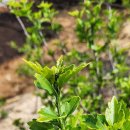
x=97, y=27
x=52, y=80
x=59, y=115
x=37, y=16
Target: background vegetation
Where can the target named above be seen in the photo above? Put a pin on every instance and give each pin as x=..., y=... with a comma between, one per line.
x=80, y=104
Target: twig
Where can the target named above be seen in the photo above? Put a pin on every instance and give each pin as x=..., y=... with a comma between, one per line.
x=44, y=41
x=109, y=53
x=85, y=110
x=45, y=44
x=115, y=5
x=22, y=25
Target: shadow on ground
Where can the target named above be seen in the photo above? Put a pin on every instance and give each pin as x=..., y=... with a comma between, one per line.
x=10, y=30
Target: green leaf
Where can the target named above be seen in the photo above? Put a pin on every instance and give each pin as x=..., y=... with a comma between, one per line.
x=70, y=105
x=70, y=73
x=101, y=122
x=47, y=73
x=35, y=66
x=67, y=68
x=45, y=5
x=90, y=120
x=63, y=78
x=43, y=83
x=13, y=3
x=74, y=13
x=46, y=114
x=34, y=125
x=79, y=68
x=114, y=113
x=126, y=125
x=59, y=62
x=96, y=122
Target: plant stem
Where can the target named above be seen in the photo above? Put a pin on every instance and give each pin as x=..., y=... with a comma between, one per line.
x=109, y=52
x=57, y=96
x=61, y=123
x=112, y=67
x=45, y=44
x=58, y=104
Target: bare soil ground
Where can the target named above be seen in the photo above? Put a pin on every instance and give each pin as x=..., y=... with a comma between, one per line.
x=12, y=84
x=17, y=108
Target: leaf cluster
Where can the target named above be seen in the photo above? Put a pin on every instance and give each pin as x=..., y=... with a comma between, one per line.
x=52, y=80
